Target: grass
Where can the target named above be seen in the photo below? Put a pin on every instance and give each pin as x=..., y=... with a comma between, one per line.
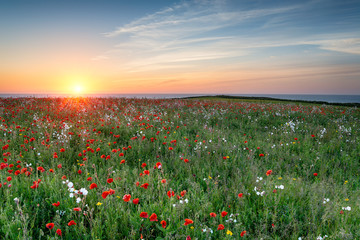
x=214, y=156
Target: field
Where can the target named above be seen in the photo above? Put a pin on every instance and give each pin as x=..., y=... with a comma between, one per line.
x=107, y=168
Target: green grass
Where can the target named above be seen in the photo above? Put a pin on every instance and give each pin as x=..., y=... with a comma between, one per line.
x=230, y=146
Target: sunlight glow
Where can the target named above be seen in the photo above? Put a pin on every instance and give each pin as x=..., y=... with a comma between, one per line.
x=78, y=89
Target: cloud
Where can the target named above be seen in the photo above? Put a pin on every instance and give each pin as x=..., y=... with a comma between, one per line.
x=190, y=34
x=346, y=45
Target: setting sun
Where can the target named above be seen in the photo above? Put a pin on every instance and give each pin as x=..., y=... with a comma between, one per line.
x=78, y=89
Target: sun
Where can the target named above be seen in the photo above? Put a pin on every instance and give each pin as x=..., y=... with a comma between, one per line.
x=78, y=89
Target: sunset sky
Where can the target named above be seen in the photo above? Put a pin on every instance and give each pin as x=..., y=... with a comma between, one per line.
x=200, y=46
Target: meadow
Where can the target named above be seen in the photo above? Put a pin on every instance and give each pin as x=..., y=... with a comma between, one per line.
x=117, y=168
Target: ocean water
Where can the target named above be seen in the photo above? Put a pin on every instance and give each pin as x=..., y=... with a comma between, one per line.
x=306, y=97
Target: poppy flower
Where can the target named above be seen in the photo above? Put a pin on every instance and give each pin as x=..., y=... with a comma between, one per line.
x=223, y=213
x=50, y=225
x=56, y=204
x=163, y=223
x=93, y=185
x=89, y=179
x=240, y=195
x=315, y=174
x=143, y=165
x=188, y=221
x=183, y=193
x=170, y=194
x=122, y=161
x=268, y=172
x=212, y=214
x=145, y=185
x=146, y=172
x=153, y=217
x=158, y=165
x=110, y=180
x=135, y=201
x=126, y=197
x=9, y=179
x=72, y=222
x=77, y=209
x=221, y=227
x=58, y=232
x=163, y=181
x=144, y=215
x=261, y=155
x=242, y=233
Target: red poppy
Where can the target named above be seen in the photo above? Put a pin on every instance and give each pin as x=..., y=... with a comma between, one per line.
x=110, y=180
x=93, y=185
x=188, y=221
x=261, y=155
x=163, y=181
x=144, y=215
x=126, y=197
x=315, y=174
x=50, y=225
x=268, y=172
x=58, y=232
x=89, y=179
x=145, y=185
x=170, y=194
x=72, y=222
x=170, y=148
x=77, y=209
x=9, y=179
x=135, y=201
x=242, y=233
x=186, y=160
x=146, y=172
x=212, y=214
x=79, y=172
x=153, y=217
x=182, y=193
x=163, y=223
x=221, y=227
x=122, y=161
x=111, y=191
x=56, y=204
x=158, y=165
x=240, y=195
x=143, y=165
x=223, y=213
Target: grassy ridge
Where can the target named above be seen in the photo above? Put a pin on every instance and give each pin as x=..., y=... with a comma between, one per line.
x=266, y=170
x=268, y=100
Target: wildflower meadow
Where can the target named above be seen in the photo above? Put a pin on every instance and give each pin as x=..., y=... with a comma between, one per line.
x=122, y=168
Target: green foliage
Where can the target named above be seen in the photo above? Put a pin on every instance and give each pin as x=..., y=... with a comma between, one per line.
x=208, y=151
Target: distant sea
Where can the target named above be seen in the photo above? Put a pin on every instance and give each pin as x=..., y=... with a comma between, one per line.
x=305, y=97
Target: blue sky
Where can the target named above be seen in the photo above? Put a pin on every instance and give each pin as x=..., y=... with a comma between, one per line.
x=200, y=46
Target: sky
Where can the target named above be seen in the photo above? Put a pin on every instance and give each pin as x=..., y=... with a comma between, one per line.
x=180, y=47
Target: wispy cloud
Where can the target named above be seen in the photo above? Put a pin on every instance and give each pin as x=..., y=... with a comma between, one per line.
x=192, y=33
